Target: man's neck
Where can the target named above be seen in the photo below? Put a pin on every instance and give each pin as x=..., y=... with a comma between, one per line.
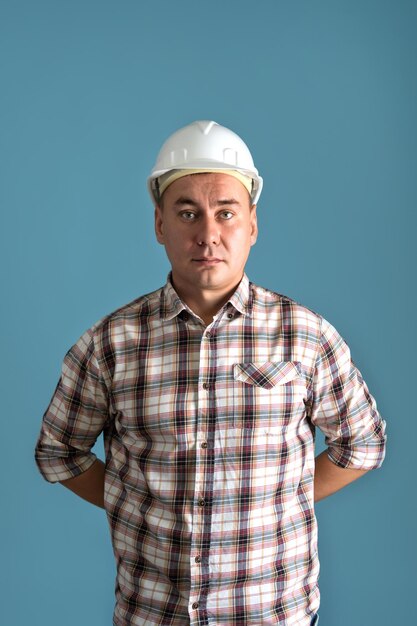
x=205, y=303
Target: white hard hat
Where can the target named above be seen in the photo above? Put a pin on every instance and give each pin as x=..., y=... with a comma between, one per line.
x=204, y=146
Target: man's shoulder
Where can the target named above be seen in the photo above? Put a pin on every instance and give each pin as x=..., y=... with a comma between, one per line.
x=136, y=310
x=269, y=301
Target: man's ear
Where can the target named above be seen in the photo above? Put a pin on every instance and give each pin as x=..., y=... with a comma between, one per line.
x=159, y=230
x=254, y=225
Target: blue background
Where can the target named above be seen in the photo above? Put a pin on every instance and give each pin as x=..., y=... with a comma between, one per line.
x=325, y=94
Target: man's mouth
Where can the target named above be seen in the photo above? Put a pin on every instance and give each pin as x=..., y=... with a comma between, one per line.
x=207, y=260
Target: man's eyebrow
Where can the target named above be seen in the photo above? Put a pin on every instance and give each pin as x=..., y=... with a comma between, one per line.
x=184, y=200
x=227, y=201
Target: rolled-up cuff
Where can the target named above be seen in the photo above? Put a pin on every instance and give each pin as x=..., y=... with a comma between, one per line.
x=361, y=459
x=55, y=469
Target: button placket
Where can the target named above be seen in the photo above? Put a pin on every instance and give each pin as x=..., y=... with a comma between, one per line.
x=202, y=435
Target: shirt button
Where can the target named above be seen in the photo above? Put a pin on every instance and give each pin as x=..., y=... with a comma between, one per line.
x=197, y=559
x=201, y=502
x=206, y=385
x=204, y=445
x=230, y=316
x=209, y=335
x=195, y=605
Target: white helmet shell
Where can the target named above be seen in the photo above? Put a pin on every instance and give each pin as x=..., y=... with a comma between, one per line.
x=206, y=146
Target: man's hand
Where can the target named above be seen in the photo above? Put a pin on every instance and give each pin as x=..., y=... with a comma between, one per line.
x=329, y=478
x=89, y=485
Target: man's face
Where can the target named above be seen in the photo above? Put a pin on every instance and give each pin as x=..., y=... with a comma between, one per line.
x=207, y=225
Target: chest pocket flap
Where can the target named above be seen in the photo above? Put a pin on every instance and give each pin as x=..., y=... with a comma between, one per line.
x=267, y=374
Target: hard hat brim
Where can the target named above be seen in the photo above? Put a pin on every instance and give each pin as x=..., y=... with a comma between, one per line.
x=207, y=165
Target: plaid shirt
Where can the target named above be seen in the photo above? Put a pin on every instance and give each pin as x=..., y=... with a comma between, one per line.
x=209, y=439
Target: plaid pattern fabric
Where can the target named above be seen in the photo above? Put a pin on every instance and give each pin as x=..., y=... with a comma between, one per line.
x=209, y=438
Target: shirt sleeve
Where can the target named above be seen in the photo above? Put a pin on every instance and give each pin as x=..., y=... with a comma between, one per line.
x=343, y=408
x=75, y=416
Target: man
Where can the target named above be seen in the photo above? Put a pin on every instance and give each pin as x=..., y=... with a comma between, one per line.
x=208, y=392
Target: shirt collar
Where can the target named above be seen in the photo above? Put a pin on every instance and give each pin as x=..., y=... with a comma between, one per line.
x=242, y=299
x=171, y=304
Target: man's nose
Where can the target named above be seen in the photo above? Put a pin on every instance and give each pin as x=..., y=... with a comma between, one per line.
x=208, y=233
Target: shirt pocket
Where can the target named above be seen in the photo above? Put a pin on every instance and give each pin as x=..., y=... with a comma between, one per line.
x=267, y=396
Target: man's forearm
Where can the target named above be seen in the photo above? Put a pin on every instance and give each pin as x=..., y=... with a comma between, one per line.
x=329, y=478
x=89, y=485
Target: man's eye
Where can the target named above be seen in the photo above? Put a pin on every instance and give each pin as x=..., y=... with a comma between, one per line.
x=226, y=215
x=188, y=215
